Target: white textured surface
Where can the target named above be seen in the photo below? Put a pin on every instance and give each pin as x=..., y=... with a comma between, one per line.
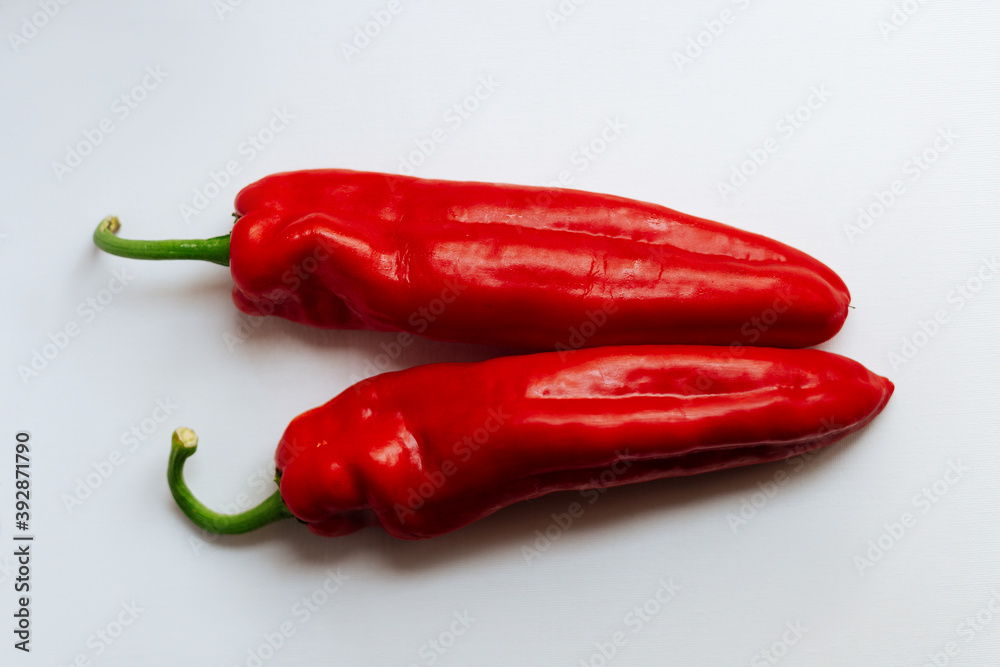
x=683, y=129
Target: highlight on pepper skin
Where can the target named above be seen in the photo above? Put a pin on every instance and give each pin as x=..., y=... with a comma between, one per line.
x=535, y=424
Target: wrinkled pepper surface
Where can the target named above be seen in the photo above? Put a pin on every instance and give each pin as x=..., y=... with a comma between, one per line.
x=427, y=450
x=508, y=265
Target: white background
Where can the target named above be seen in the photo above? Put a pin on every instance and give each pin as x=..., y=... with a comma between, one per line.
x=797, y=559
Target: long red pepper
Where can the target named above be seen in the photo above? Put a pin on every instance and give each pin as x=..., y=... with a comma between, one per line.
x=508, y=265
x=427, y=450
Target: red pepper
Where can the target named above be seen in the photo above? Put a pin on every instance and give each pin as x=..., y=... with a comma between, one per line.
x=507, y=265
x=427, y=450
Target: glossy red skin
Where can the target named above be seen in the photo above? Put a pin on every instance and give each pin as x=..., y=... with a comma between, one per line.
x=427, y=450
x=517, y=266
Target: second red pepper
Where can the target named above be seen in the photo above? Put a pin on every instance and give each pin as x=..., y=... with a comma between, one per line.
x=427, y=450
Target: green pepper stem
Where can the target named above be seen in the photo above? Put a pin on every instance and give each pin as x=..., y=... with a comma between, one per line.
x=215, y=250
x=185, y=443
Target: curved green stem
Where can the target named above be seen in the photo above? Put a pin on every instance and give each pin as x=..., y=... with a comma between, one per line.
x=182, y=446
x=215, y=250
